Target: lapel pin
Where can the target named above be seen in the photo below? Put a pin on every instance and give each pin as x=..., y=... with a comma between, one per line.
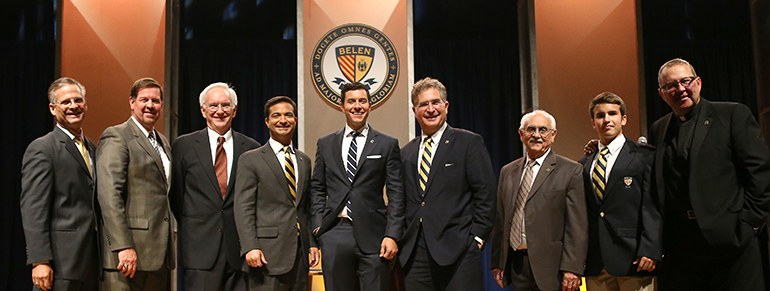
x=706, y=122
x=371, y=141
x=547, y=169
x=446, y=142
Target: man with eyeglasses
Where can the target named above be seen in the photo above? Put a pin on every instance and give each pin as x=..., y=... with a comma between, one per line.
x=712, y=174
x=58, y=208
x=133, y=162
x=540, y=240
x=450, y=198
x=202, y=195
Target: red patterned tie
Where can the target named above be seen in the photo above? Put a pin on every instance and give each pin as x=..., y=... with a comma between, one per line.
x=220, y=166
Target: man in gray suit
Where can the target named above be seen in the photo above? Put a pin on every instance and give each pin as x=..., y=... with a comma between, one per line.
x=202, y=189
x=272, y=206
x=540, y=240
x=57, y=197
x=133, y=161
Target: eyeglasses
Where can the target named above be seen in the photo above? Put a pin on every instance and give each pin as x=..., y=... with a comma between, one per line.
x=544, y=131
x=686, y=82
x=79, y=101
x=226, y=107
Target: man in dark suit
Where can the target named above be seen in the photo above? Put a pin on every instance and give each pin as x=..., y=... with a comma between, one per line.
x=272, y=206
x=57, y=197
x=204, y=171
x=540, y=240
x=624, y=222
x=134, y=166
x=712, y=174
x=356, y=232
x=450, y=201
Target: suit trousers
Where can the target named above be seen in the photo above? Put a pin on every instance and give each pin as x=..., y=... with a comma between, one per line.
x=423, y=273
x=221, y=277
x=342, y=258
x=90, y=284
x=520, y=270
x=692, y=264
x=142, y=280
x=607, y=282
x=294, y=280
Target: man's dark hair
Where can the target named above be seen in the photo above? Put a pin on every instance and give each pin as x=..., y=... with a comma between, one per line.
x=145, y=83
x=607, y=97
x=354, y=86
x=279, y=99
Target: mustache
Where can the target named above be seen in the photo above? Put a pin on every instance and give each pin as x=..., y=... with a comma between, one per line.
x=532, y=139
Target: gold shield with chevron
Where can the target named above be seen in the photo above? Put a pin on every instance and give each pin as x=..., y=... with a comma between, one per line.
x=354, y=61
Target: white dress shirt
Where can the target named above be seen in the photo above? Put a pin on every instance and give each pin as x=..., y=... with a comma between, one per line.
x=280, y=155
x=615, y=146
x=228, y=145
x=163, y=155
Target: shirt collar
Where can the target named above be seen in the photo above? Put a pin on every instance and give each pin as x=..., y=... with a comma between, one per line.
x=539, y=160
x=277, y=146
x=436, y=136
x=689, y=115
x=214, y=136
x=68, y=133
x=144, y=130
x=364, y=130
x=615, y=145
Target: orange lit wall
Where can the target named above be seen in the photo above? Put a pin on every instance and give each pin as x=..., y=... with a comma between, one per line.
x=585, y=47
x=107, y=45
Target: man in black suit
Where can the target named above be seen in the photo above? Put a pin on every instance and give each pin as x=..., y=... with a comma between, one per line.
x=712, y=174
x=272, y=206
x=204, y=171
x=58, y=209
x=355, y=230
x=624, y=222
x=450, y=198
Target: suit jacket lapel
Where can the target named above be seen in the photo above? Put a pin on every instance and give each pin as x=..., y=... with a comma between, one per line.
x=625, y=156
x=518, y=167
x=440, y=157
x=702, y=126
x=203, y=151
x=370, y=143
x=238, y=150
x=337, y=154
x=268, y=154
x=545, y=170
x=300, y=175
x=69, y=144
x=410, y=159
x=144, y=142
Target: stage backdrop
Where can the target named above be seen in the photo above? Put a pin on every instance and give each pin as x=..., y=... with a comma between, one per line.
x=343, y=41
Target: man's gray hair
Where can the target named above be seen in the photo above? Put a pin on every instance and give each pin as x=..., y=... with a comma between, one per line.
x=525, y=118
x=227, y=87
x=61, y=82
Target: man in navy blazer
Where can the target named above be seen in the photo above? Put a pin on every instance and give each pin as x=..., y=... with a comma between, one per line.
x=450, y=198
x=712, y=174
x=624, y=222
x=356, y=232
x=202, y=199
x=58, y=209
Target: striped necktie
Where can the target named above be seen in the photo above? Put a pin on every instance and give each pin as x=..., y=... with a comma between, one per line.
x=598, y=175
x=425, y=161
x=516, y=237
x=290, y=177
x=352, y=160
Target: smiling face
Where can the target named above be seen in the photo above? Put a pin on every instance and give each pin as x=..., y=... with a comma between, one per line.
x=356, y=107
x=537, y=143
x=430, y=110
x=218, y=110
x=70, y=108
x=608, y=121
x=681, y=98
x=146, y=107
x=281, y=122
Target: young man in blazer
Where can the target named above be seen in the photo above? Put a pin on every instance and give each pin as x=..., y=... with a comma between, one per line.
x=58, y=184
x=712, y=174
x=624, y=222
x=540, y=240
x=204, y=171
x=450, y=198
x=134, y=165
x=356, y=232
x=272, y=206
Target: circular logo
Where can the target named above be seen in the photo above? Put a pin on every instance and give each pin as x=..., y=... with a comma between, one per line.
x=354, y=52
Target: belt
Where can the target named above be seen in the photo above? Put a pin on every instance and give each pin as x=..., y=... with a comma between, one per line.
x=681, y=214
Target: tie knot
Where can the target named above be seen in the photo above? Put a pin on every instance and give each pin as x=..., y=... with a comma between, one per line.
x=78, y=139
x=531, y=163
x=151, y=135
x=221, y=140
x=355, y=134
x=429, y=140
x=605, y=151
x=287, y=149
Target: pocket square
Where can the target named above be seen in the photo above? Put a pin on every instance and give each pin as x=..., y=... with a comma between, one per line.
x=374, y=157
x=448, y=165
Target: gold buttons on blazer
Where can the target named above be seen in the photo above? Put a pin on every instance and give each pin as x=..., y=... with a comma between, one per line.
x=422, y=204
x=601, y=214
